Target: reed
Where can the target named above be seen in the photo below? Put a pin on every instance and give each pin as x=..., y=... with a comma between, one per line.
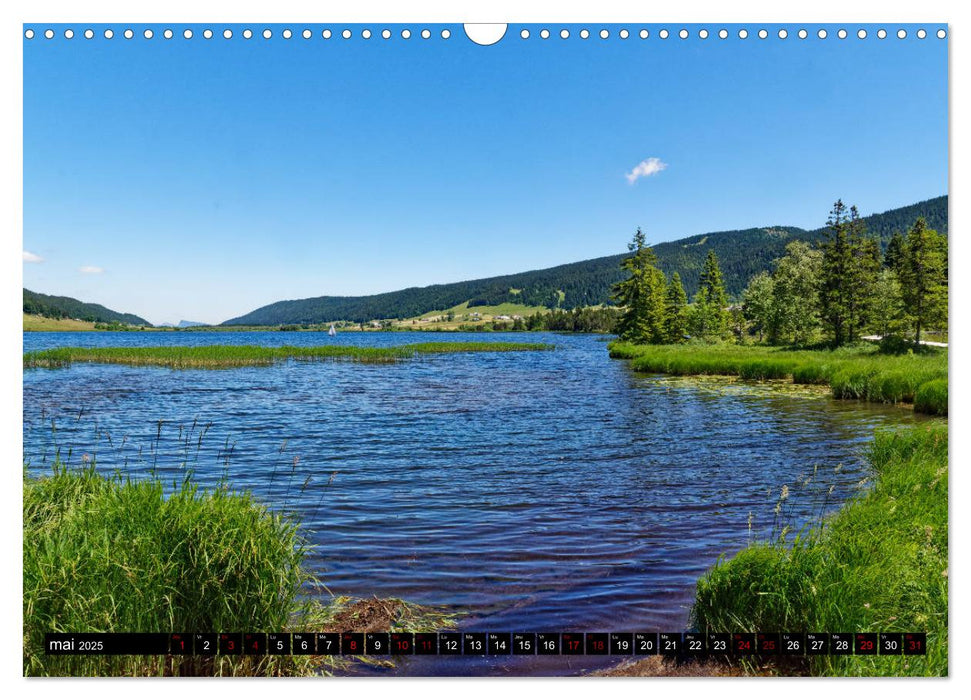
x=118, y=555
x=859, y=372
x=931, y=397
x=880, y=564
x=228, y=356
x=108, y=554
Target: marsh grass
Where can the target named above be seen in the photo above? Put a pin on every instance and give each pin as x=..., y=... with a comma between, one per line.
x=227, y=356
x=858, y=372
x=110, y=554
x=160, y=553
x=931, y=397
x=880, y=564
x=121, y=555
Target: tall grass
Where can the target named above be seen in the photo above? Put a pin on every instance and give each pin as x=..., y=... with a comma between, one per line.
x=225, y=356
x=931, y=397
x=860, y=372
x=106, y=554
x=879, y=565
x=103, y=553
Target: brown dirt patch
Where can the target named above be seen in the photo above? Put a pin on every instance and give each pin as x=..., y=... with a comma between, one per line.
x=371, y=615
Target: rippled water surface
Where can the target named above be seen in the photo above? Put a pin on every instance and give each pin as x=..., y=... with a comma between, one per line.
x=533, y=491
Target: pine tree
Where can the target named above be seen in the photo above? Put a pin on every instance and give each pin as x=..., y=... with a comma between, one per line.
x=676, y=311
x=894, y=255
x=864, y=270
x=923, y=277
x=642, y=295
x=836, y=273
x=851, y=262
x=710, y=313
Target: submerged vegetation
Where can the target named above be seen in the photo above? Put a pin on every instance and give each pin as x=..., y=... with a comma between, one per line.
x=107, y=554
x=224, y=356
x=879, y=565
x=856, y=372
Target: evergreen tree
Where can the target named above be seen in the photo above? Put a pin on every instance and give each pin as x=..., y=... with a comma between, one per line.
x=894, y=256
x=711, y=301
x=795, y=314
x=758, y=304
x=642, y=295
x=923, y=277
x=865, y=266
x=850, y=264
x=835, y=282
x=676, y=311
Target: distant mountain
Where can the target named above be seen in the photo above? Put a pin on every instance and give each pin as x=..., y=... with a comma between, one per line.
x=741, y=254
x=66, y=307
x=182, y=324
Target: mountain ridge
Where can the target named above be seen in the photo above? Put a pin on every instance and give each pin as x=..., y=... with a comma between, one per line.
x=741, y=254
x=52, y=306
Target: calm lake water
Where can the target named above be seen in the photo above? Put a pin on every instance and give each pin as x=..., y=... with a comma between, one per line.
x=535, y=491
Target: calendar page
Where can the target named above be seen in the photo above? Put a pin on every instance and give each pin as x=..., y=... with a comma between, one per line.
x=544, y=349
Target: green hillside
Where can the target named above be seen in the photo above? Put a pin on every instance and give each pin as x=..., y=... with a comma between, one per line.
x=741, y=254
x=66, y=307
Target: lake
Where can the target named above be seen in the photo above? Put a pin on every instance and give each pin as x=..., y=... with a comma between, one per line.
x=534, y=491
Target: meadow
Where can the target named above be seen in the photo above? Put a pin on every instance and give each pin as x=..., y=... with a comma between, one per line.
x=35, y=322
x=859, y=372
x=880, y=564
x=227, y=356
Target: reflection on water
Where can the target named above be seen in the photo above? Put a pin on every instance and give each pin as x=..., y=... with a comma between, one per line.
x=555, y=491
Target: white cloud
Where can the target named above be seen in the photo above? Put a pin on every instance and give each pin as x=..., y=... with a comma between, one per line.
x=32, y=258
x=646, y=168
x=91, y=270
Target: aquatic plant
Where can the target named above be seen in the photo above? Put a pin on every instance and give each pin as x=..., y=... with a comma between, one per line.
x=111, y=554
x=860, y=372
x=880, y=564
x=227, y=356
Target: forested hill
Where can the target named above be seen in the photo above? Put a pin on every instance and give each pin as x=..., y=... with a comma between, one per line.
x=741, y=254
x=67, y=307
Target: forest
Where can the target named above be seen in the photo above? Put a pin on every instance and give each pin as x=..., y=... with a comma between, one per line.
x=834, y=291
x=741, y=255
x=68, y=307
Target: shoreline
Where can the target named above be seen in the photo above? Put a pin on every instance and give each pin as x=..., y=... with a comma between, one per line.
x=850, y=571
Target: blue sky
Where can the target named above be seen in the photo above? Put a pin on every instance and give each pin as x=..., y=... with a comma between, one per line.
x=201, y=179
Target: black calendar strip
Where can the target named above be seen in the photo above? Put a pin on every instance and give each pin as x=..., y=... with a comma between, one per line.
x=683, y=644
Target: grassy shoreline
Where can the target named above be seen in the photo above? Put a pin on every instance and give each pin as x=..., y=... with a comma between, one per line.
x=860, y=372
x=226, y=356
x=880, y=564
x=106, y=554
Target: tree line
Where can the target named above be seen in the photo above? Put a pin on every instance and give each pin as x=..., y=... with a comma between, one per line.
x=839, y=289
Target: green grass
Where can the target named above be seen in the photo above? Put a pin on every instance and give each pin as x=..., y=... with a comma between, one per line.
x=225, y=356
x=879, y=565
x=858, y=372
x=506, y=308
x=111, y=555
x=105, y=554
x=33, y=322
x=932, y=397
